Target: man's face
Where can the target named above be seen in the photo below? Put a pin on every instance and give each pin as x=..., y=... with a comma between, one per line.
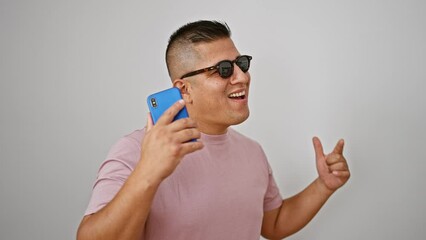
x=214, y=102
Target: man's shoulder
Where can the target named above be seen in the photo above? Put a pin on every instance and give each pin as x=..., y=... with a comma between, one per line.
x=137, y=135
x=128, y=143
x=127, y=149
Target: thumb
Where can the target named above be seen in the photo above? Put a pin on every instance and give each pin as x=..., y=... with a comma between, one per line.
x=319, y=152
x=149, y=122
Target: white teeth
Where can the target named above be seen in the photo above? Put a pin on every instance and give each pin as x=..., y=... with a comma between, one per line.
x=239, y=94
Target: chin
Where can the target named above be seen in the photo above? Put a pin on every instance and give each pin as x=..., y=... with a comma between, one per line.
x=240, y=119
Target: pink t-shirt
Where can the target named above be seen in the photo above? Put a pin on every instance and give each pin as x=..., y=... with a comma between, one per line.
x=219, y=192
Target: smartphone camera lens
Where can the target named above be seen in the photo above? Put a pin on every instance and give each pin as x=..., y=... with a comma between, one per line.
x=153, y=102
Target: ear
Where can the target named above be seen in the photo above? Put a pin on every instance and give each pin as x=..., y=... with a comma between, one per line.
x=185, y=89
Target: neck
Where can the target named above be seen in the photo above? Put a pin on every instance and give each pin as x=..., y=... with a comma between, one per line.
x=210, y=129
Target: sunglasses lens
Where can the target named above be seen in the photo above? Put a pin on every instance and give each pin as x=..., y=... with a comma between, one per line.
x=243, y=63
x=226, y=69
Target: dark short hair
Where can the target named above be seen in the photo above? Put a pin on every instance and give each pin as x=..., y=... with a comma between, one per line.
x=197, y=32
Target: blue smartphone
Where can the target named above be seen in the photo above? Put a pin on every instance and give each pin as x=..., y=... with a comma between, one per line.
x=161, y=101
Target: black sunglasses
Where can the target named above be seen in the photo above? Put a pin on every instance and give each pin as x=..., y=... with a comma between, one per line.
x=225, y=68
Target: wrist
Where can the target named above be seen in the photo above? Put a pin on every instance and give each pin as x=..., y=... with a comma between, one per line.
x=144, y=180
x=150, y=173
x=142, y=187
x=149, y=179
x=322, y=188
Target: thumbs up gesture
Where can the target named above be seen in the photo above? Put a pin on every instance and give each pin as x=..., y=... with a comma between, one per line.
x=332, y=168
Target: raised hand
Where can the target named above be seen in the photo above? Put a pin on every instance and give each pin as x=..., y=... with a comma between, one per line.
x=332, y=168
x=167, y=142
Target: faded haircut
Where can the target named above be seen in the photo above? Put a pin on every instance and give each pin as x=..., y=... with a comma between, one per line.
x=191, y=33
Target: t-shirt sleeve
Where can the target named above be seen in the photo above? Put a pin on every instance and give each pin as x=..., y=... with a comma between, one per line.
x=113, y=173
x=273, y=197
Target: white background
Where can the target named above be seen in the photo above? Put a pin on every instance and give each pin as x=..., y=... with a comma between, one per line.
x=75, y=75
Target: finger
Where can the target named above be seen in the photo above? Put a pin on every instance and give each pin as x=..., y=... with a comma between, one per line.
x=187, y=135
x=171, y=112
x=339, y=147
x=341, y=173
x=334, y=158
x=340, y=166
x=182, y=123
x=319, y=152
x=149, y=122
x=190, y=147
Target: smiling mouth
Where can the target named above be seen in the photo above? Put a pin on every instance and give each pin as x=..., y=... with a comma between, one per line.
x=238, y=95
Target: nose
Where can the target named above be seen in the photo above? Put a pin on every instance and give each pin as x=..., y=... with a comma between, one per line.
x=239, y=76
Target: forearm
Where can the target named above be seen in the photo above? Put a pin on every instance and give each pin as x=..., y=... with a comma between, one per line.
x=297, y=211
x=125, y=216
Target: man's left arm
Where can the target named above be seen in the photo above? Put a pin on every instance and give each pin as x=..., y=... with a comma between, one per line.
x=297, y=211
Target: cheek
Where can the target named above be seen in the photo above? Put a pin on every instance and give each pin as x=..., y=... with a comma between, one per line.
x=210, y=103
x=211, y=95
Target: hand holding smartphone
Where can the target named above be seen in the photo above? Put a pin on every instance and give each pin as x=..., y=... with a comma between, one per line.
x=167, y=142
x=161, y=101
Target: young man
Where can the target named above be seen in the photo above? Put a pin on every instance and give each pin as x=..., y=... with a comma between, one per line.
x=156, y=184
